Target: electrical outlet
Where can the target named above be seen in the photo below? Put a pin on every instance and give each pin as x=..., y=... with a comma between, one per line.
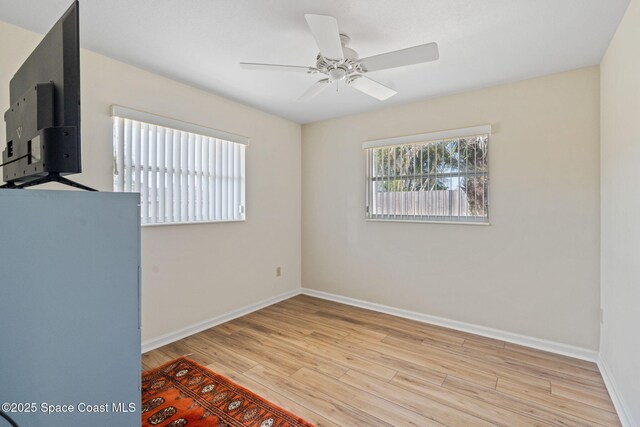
x=278, y=271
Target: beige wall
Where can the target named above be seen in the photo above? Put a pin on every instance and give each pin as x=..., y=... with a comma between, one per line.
x=620, y=151
x=191, y=273
x=533, y=271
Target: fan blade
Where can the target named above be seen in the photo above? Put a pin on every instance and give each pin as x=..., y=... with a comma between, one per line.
x=314, y=90
x=275, y=67
x=371, y=88
x=400, y=58
x=325, y=30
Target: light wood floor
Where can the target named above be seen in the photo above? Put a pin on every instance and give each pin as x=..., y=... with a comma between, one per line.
x=337, y=365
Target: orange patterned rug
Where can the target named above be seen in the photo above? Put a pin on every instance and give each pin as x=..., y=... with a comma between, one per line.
x=184, y=393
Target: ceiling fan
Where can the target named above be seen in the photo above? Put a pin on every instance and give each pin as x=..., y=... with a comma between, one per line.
x=339, y=62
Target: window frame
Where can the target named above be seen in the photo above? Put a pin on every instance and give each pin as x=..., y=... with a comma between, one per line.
x=226, y=176
x=425, y=140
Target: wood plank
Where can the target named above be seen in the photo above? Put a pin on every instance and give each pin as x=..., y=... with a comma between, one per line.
x=203, y=345
x=285, y=317
x=304, y=302
x=533, y=370
x=302, y=357
x=271, y=395
x=509, y=367
x=344, y=358
x=387, y=319
x=439, y=405
x=343, y=323
x=390, y=326
x=247, y=348
x=259, y=318
x=153, y=359
x=337, y=323
x=411, y=331
x=322, y=401
x=374, y=356
x=558, y=364
x=553, y=356
x=380, y=408
x=567, y=406
x=543, y=370
x=477, y=360
x=517, y=404
x=489, y=412
x=227, y=328
x=431, y=360
x=483, y=343
x=594, y=397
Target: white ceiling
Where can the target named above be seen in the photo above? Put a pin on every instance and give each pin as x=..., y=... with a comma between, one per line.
x=201, y=42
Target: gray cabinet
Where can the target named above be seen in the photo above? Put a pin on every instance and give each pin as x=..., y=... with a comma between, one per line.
x=70, y=307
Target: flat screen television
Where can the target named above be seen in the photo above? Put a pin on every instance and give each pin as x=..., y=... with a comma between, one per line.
x=43, y=120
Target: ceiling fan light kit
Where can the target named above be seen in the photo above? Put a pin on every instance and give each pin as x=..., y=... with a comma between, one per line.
x=339, y=62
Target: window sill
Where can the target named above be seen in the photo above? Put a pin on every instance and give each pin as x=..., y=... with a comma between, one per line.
x=191, y=223
x=428, y=221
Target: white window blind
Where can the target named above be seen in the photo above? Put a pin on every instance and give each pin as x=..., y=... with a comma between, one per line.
x=183, y=172
x=439, y=176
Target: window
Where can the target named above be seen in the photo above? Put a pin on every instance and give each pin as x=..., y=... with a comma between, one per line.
x=184, y=173
x=441, y=176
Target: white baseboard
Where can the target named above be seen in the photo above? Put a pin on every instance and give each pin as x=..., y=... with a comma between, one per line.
x=621, y=408
x=540, y=344
x=199, y=327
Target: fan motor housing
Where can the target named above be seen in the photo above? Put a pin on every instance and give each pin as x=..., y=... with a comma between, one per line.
x=339, y=69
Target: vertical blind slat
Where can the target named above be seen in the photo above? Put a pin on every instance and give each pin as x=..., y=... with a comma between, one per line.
x=127, y=156
x=119, y=160
x=203, y=190
x=126, y=175
x=218, y=180
x=192, y=184
x=211, y=174
x=233, y=205
x=366, y=182
x=236, y=182
x=161, y=185
x=152, y=174
x=137, y=165
x=144, y=174
x=176, y=176
x=168, y=155
x=223, y=179
x=230, y=181
x=184, y=178
x=197, y=155
x=243, y=181
x=205, y=178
